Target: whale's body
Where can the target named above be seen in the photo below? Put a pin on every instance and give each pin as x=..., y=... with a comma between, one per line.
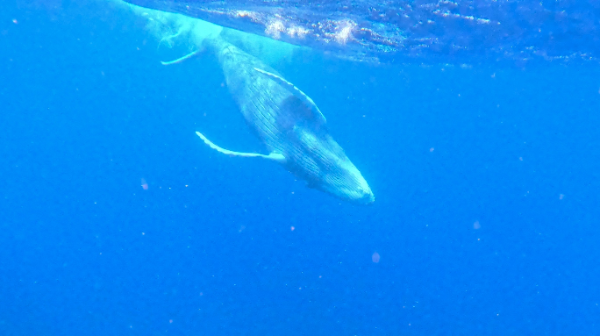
x=292, y=128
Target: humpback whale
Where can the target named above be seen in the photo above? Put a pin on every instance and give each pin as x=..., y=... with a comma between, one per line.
x=289, y=124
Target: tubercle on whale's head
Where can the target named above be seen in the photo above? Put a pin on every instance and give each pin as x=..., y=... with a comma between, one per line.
x=327, y=168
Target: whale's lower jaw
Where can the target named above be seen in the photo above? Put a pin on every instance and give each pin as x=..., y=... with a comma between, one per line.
x=360, y=197
x=356, y=191
x=366, y=199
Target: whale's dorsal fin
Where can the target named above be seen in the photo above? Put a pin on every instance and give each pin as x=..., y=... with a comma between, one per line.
x=272, y=156
x=183, y=58
x=297, y=92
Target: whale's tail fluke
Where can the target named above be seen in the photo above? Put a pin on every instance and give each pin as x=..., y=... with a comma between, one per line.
x=272, y=156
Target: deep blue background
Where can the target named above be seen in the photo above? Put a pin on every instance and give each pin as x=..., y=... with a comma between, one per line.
x=87, y=111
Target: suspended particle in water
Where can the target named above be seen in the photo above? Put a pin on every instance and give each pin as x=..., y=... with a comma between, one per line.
x=144, y=184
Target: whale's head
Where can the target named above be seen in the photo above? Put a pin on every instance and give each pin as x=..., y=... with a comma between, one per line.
x=319, y=159
x=343, y=180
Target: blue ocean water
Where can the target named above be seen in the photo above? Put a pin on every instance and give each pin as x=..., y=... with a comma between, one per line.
x=486, y=180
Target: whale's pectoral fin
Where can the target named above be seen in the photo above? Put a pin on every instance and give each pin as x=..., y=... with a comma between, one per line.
x=186, y=57
x=272, y=156
x=297, y=92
